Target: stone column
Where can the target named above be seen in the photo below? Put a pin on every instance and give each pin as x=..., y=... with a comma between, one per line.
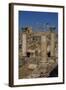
x=23, y=44
x=44, y=48
x=43, y=61
x=52, y=44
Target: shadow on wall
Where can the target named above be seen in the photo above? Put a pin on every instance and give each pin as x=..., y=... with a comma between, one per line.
x=54, y=72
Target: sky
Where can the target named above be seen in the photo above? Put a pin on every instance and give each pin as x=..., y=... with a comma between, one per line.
x=39, y=21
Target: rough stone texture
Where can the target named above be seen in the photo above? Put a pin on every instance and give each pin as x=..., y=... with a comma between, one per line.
x=24, y=45
x=38, y=54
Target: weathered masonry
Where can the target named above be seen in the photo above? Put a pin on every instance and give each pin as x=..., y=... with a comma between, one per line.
x=44, y=48
x=39, y=52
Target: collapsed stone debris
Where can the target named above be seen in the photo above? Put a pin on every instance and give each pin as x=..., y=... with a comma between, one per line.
x=38, y=53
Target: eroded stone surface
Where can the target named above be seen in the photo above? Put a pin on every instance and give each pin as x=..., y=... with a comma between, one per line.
x=38, y=55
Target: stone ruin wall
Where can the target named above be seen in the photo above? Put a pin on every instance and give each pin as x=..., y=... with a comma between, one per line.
x=44, y=62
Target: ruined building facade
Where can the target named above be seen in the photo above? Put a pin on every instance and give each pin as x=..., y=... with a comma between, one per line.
x=38, y=52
